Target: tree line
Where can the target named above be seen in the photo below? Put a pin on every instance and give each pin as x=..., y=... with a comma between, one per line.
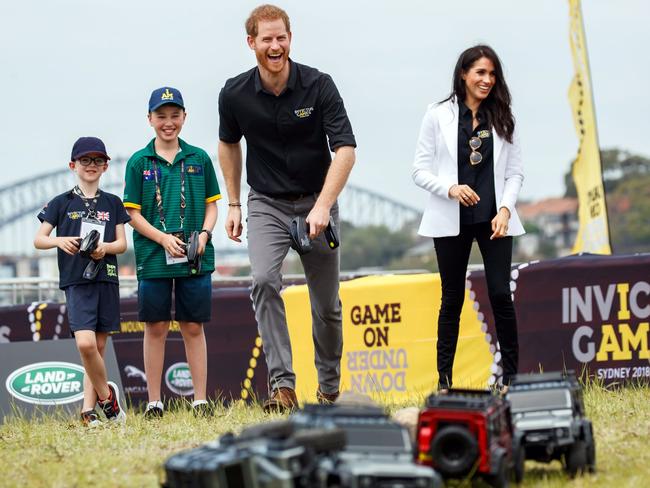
x=626, y=178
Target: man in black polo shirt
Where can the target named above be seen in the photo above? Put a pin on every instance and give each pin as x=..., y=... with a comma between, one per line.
x=288, y=112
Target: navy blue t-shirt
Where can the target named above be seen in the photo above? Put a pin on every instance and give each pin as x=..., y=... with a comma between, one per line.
x=65, y=213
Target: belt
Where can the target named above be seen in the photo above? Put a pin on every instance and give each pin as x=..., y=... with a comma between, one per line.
x=292, y=197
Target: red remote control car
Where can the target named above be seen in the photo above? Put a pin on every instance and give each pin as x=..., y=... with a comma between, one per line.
x=470, y=432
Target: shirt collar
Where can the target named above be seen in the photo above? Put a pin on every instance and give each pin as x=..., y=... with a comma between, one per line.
x=291, y=82
x=186, y=150
x=463, y=110
x=150, y=150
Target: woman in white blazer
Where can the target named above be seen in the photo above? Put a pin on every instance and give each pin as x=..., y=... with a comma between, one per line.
x=469, y=160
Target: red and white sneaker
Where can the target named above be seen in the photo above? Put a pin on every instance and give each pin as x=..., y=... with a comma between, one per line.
x=111, y=406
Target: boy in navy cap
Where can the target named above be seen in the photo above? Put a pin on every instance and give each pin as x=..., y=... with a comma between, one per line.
x=170, y=192
x=93, y=302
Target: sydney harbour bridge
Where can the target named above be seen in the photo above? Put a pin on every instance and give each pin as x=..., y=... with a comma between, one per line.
x=20, y=202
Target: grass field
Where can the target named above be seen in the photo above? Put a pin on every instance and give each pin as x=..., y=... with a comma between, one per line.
x=58, y=452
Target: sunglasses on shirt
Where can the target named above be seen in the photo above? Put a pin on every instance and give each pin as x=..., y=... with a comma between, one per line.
x=475, y=157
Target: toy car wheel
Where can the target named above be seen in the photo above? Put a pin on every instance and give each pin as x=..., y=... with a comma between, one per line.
x=575, y=458
x=454, y=450
x=591, y=455
x=519, y=458
x=500, y=478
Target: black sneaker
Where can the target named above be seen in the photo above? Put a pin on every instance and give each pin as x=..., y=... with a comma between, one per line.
x=111, y=406
x=90, y=418
x=201, y=408
x=154, y=410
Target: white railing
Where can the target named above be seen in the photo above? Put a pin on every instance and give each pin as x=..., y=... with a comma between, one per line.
x=17, y=291
x=14, y=291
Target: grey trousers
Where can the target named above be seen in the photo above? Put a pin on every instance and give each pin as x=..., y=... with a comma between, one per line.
x=268, y=244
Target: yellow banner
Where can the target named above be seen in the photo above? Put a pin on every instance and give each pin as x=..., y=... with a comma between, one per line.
x=389, y=338
x=593, y=233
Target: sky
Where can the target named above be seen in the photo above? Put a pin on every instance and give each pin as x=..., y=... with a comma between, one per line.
x=87, y=67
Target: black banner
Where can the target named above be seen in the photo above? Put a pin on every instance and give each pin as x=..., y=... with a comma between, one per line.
x=236, y=367
x=579, y=312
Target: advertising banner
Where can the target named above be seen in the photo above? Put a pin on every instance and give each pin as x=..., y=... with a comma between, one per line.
x=587, y=313
x=39, y=377
x=389, y=338
x=593, y=233
x=584, y=312
x=236, y=368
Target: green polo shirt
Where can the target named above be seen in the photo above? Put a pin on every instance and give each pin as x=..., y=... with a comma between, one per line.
x=201, y=187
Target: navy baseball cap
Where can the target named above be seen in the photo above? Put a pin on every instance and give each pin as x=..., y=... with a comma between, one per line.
x=88, y=145
x=163, y=96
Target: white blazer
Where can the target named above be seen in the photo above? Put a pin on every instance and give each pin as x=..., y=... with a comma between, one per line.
x=436, y=169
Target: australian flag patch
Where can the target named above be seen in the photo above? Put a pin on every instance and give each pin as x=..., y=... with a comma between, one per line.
x=147, y=175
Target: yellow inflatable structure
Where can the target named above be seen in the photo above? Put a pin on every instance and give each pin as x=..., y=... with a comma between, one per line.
x=389, y=338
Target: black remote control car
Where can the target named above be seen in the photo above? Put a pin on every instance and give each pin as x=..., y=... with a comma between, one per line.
x=318, y=447
x=378, y=451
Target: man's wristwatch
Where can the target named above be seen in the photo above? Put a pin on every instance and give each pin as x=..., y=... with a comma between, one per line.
x=207, y=232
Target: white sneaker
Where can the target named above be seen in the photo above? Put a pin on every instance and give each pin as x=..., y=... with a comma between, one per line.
x=154, y=410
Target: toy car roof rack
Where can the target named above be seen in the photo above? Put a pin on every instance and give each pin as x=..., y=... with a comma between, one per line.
x=544, y=380
x=462, y=399
x=343, y=410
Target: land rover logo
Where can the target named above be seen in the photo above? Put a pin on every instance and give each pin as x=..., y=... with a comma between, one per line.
x=179, y=379
x=47, y=383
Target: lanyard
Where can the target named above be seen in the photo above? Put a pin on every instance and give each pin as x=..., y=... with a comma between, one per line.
x=90, y=207
x=159, y=203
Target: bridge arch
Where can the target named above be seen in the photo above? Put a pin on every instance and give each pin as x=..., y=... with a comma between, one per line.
x=20, y=201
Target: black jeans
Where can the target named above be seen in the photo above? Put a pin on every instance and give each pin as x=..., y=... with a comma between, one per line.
x=453, y=256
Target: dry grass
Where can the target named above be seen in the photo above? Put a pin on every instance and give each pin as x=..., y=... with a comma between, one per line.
x=58, y=452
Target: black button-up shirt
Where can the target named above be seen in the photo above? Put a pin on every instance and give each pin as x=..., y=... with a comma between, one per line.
x=286, y=135
x=480, y=177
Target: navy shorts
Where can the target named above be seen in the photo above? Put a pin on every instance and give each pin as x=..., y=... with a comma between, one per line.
x=192, y=299
x=95, y=306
